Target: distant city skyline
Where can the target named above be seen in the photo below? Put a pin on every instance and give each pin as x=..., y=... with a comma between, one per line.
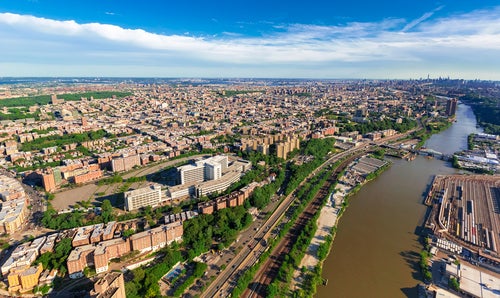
x=323, y=39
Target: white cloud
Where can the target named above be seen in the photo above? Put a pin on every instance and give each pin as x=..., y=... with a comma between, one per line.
x=424, y=17
x=301, y=47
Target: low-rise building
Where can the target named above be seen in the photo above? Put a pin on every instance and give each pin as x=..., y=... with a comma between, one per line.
x=97, y=233
x=82, y=236
x=79, y=258
x=23, y=255
x=14, y=206
x=109, y=230
x=47, y=277
x=99, y=254
x=24, y=278
x=182, y=216
x=13, y=215
x=86, y=177
x=29, y=278
x=107, y=250
x=125, y=163
x=236, y=198
x=111, y=285
x=49, y=244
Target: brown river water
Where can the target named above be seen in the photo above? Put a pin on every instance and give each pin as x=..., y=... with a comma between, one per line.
x=375, y=251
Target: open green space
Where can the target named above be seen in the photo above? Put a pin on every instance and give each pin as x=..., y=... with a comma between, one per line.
x=28, y=101
x=57, y=140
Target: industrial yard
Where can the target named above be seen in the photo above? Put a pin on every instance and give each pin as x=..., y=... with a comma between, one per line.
x=467, y=208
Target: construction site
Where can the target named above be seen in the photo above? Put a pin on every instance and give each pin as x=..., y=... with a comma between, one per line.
x=466, y=209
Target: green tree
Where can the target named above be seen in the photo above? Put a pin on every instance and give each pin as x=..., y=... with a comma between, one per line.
x=139, y=274
x=128, y=233
x=44, y=259
x=107, y=211
x=131, y=288
x=56, y=259
x=454, y=284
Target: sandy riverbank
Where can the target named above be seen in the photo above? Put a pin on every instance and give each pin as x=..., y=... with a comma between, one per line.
x=326, y=221
x=329, y=216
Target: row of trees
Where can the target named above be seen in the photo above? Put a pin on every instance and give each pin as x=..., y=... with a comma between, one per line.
x=311, y=279
x=424, y=265
x=261, y=196
x=297, y=208
x=221, y=227
x=318, y=148
x=370, y=126
x=292, y=260
x=198, y=270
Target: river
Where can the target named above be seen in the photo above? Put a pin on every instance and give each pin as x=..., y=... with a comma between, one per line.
x=376, y=250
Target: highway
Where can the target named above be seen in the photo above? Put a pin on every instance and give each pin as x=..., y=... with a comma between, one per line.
x=269, y=270
x=227, y=279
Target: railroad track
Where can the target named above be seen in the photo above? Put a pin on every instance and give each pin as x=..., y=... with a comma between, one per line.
x=227, y=280
x=269, y=270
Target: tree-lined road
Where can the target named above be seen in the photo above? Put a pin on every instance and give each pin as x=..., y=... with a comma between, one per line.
x=227, y=279
x=224, y=283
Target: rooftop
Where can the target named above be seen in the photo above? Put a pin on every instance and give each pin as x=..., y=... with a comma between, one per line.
x=475, y=282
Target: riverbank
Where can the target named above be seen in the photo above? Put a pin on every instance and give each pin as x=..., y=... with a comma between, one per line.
x=430, y=129
x=308, y=276
x=376, y=248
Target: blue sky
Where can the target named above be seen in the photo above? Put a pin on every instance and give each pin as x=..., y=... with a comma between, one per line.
x=301, y=39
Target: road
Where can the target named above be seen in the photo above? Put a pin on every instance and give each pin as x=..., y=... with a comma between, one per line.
x=227, y=279
x=269, y=270
x=36, y=200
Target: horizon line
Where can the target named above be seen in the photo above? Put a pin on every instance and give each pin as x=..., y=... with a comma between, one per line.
x=249, y=77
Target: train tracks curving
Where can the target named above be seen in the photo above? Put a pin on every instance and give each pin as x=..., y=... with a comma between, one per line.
x=269, y=269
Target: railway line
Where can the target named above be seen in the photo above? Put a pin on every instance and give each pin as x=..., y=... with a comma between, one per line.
x=227, y=279
x=468, y=210
x=269, y=270
x=225, y=282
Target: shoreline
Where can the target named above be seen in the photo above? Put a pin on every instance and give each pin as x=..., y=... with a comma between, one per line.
x=312, y=262
x=319, y=266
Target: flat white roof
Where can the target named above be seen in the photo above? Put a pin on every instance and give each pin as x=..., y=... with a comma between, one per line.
x=479, y=283
x=442, y=293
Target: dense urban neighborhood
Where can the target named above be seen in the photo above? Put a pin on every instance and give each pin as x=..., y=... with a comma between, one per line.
x=200, y=187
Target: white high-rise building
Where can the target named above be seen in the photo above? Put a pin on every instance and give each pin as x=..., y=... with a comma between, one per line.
x=203, y=170
x=191, y=173
x=213, y=170
x=142, y=197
